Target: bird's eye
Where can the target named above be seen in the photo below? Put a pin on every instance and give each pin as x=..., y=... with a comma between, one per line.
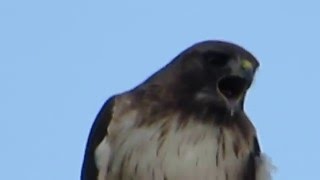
x=217, y=59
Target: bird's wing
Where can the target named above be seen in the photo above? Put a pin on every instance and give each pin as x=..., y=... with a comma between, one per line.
x=258, y=166
x=96, y=136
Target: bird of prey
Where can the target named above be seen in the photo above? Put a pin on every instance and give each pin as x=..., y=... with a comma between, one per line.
x=185, y=122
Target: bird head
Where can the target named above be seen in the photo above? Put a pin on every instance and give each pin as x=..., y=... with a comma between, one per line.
x=217, y=73
x=213, y=74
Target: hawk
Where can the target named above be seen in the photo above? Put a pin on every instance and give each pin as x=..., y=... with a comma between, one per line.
x=184, y=122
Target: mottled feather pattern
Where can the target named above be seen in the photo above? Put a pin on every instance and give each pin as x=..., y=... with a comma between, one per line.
x=163, y=150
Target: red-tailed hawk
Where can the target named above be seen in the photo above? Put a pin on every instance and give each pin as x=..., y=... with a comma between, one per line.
x=185, y=122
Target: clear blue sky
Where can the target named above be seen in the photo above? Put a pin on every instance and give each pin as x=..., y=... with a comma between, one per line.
x=60, y=60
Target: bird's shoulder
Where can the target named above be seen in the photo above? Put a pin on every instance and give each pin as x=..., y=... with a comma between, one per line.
x=124, y=113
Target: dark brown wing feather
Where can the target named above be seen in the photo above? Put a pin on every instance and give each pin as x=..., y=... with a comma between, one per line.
x=251, y=169
x=98, y=131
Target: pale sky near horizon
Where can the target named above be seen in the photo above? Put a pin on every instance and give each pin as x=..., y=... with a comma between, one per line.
x=60, y=61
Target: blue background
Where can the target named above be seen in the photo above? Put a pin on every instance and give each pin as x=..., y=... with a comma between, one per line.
x=60, y=60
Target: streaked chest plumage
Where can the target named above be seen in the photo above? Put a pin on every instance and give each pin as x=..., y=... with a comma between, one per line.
x=165, y=151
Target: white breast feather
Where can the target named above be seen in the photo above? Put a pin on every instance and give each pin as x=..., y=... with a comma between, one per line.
x=186, y=154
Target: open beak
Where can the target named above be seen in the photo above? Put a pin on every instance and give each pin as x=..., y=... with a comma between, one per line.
x=234, y=86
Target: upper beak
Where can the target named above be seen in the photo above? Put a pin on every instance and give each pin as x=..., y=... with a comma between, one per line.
x=243, y=69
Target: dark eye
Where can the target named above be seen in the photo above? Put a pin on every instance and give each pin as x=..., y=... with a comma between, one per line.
x=216, y=58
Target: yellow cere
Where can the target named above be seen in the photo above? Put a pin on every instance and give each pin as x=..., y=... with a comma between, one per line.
x=246, y=64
